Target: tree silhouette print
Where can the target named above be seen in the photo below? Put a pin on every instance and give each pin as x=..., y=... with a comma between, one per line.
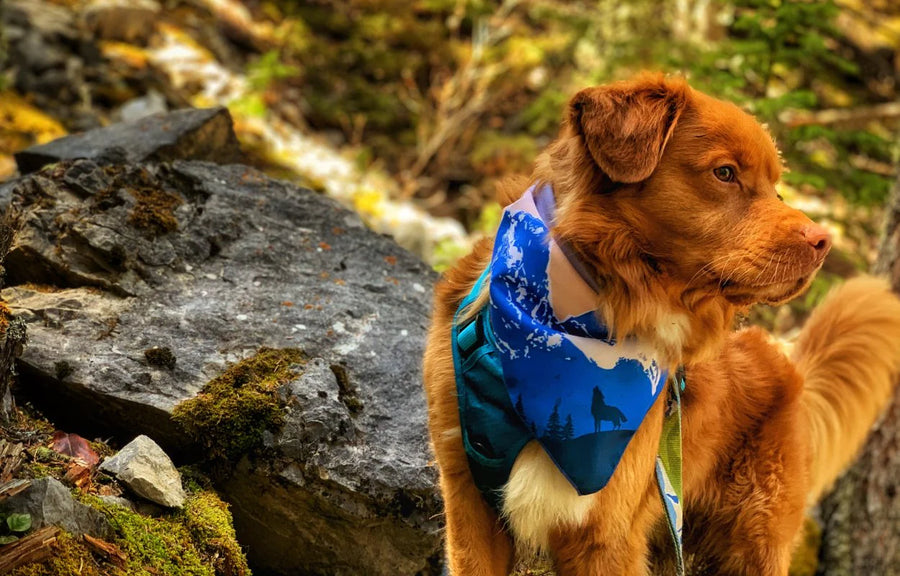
x=554, y=428
x=568, y=431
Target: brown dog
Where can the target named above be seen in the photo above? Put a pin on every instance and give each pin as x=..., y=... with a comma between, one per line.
x=668, y=197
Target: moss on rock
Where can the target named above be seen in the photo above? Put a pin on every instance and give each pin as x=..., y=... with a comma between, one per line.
x=209, y=522
x=228, y=417
x=198, y=540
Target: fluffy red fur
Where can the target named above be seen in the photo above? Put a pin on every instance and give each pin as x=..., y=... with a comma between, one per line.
x=668, y=195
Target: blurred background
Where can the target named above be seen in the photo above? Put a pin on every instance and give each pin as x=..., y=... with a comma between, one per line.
x=411, y=110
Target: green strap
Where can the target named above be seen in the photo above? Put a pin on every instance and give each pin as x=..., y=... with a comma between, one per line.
x=668, y=466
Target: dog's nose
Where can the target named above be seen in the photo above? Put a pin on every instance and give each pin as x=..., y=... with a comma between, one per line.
x=818, y=237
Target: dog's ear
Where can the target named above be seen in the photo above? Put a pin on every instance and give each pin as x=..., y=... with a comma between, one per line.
x=626, y=125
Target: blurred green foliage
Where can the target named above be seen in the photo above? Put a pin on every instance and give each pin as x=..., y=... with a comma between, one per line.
x=775, y=55
x=452, y=94
x=263, y=74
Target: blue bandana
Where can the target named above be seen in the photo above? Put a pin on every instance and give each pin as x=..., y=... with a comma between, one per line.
x=580, y=393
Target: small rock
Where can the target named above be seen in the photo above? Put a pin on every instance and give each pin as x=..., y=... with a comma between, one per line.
x=134, y=110
x=147, y=470
x=50, y=503
x=199, y=134
x=118, y=501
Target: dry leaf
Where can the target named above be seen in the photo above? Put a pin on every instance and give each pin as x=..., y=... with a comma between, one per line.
x=75, y=446
x=79, y=475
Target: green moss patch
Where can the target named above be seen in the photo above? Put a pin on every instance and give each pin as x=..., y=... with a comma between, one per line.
x=197, y=541
x=228, y=417
x=42, y=461
x=208, y=520
x=153, y=545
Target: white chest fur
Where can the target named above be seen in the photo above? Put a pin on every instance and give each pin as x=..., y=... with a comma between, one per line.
x=538, y=498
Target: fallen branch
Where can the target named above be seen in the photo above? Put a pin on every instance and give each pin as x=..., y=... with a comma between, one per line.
x=873, y=166
x=35, y=547
x=11, y=456
x=13, y=487
x=109, y=552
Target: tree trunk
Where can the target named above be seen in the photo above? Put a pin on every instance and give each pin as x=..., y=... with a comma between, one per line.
x=862, y=516
x=12, y=330
x=12, y=341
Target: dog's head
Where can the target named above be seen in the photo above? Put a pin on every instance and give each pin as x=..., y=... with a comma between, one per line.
x=670, y=195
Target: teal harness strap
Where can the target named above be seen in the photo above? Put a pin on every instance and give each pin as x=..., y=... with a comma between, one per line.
x=491, y=433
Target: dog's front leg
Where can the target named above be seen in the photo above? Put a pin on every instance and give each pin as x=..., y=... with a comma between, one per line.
x=609, y=544
x=589, y=555
x=477, y=544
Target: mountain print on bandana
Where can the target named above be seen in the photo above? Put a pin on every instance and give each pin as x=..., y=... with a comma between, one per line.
x=580, y=393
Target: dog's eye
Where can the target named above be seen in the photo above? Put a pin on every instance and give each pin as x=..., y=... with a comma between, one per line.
x=779, y=197
x=724, y=173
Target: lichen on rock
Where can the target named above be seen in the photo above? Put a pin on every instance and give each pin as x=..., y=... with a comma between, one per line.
x=154, y=211
x=161, y=356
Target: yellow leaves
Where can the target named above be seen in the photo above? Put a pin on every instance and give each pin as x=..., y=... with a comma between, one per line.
x=489, y=218
x=787, y=192
x=369, y=203
x=822, y=157
x=524, y=52
x=133, y=56
x=18, y=118
x=866, y=31
x=22, y=125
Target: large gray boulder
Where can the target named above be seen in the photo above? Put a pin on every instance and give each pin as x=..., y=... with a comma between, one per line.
x=213, y=262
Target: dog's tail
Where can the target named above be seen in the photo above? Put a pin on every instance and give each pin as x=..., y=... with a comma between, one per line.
x=849, y=356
